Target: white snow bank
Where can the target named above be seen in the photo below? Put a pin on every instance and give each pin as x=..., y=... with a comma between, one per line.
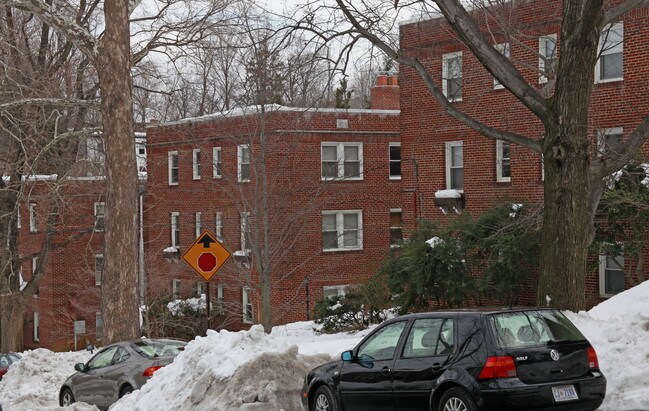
x=632, y=301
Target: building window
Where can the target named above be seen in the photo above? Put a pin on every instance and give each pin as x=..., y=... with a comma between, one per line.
x=608, y=140
x=173, y=168
x=342, y=230
x=547, y=57
x=246, y=303
x=95, y=153
x=175, y=229
x=175, y=289
x=33, y=218
x=452, y=76
x=342, y=160
x=197, y=219
x=454, y=166
x=245, y=231
x=99, y=325
x=199, y=289
x=611, y=274
x=217, y=165
x=19, y=223
x=503, y=162
x=396, y=226
x=196, y=164
x=99, y=213
x=395, y=161
x=243, y=163
x=505, y=50
x=329, y=291
x=37, y=323
x=219, y=297
x=219, y=226
x=99, y=267
x=610, y=65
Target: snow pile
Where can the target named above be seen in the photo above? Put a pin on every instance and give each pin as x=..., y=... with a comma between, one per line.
x=452, y=193
x=197, y=304
x=34, y=381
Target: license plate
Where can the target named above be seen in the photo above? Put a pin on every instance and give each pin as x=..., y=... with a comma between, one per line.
x=564, y=393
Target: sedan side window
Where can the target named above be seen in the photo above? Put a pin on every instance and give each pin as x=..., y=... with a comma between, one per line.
x=429, y=337
x=381, y=345
x=102, y=359
x=121, y=356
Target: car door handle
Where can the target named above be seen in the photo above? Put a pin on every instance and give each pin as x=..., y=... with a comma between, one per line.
x=436, y=366
x=385, y=370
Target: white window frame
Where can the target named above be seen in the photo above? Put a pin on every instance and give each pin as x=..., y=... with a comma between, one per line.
x=607, y=49
x=391, y=161
x=602, y=137
x=245, y=230
x=176, y=285
x=99, y=206
x=170, y=167
x=197, y=223
x=449, y=159
x=99, y=267
x=241, y=163
x=246, y=305
x=199, y=288
x=392, y=228
x=217, y=162
x=33, y=218
x=500, y=145
x=543, y=57
x=175, y=229
x=340, y=160
x=602, y=274
x=219, y=296
x=506, y=50
x=99, y=325
x=335, y=290
x=445, y=75
x=37, y=321
x=196, y=164
x=340, y=230
x=219, y=226
x=19, y=223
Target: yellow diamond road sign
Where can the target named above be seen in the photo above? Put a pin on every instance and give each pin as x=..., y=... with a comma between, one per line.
x=206, y=255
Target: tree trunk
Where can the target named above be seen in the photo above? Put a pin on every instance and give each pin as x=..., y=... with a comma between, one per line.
x=119, y=285
x=12, y=312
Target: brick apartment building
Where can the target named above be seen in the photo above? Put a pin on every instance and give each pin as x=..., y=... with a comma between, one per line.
x=449, y=155
x=317, y=190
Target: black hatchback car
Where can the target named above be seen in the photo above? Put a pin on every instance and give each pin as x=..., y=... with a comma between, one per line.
x=463, y=360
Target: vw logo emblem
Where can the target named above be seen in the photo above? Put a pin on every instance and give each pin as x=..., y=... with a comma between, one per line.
x=554, y=354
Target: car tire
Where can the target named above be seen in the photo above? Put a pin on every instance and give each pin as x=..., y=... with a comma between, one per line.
x=324, y=400
x=456, y=399
x=67, y=398
x=125, y=390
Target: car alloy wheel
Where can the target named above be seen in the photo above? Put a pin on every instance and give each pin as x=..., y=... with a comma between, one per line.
x=454, y=404
x=67, y=398
x=324, y=400
x=457, y=399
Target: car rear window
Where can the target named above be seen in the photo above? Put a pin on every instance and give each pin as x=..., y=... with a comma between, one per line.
x=153, y=348
x=532, y=328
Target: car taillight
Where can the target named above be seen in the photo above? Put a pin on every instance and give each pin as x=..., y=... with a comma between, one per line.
x=498, y=367
x=149, y=371
x=593, y=362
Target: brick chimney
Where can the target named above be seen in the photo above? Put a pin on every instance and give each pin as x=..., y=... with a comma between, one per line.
x=385, y=94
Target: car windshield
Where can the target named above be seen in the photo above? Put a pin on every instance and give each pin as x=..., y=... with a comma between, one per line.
x=158, y=348
x=532, y=328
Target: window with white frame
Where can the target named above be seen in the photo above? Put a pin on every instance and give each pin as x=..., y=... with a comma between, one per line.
x=19, y=223
x=196, y=164
x=217, y=163
x=395, y=161
x=175, y=229
x=199, y=288
x=219, y=226
x=611, y=274
x=547, y=57
x=99, y=325
x=454, y=165
x=33, y=218
x=172, y=161
x=95, y=152
x=505, y=50
x=175, y=289
x=245, y=230
x=342, y=161
x=342, y=230
x=37, y=324
x=197, y=223
x=396, y=226
x=542, y=168
x=608, y=140
x=329, y=291
x=99, y=213
x=34, y=265
x=610, y=64
x=452, y=76
x=99, y=267
x=246, y=303
x=503, y=161
x=219, y=297
x=243, y=163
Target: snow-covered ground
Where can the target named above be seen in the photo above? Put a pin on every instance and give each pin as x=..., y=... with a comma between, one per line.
x=250, y=370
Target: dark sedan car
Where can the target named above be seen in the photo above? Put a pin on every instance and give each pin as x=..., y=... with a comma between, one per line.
x=463, y=360
x=117, y=370
x=5, y=362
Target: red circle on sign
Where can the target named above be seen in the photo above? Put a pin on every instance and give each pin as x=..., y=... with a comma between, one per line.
x=207, y=262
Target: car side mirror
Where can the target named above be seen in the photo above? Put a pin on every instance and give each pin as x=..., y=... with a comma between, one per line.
x=347, y=356
x=80, y=367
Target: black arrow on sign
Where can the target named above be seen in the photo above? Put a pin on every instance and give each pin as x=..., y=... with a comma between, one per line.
x=206, y=240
